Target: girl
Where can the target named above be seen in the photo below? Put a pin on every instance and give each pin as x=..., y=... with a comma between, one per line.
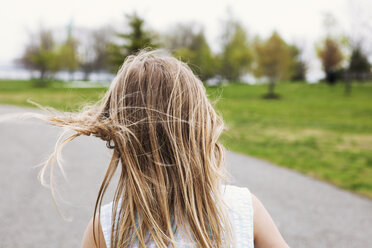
x=164, y=135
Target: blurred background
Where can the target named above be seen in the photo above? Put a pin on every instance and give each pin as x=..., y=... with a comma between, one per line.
x=293, y=78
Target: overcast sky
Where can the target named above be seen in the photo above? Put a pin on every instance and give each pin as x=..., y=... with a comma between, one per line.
x=298, y=21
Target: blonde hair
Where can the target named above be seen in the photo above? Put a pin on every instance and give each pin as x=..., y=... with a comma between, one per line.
x=164, y=134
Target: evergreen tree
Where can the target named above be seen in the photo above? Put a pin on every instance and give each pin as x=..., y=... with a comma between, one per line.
x=359, y=67
x=133, y=41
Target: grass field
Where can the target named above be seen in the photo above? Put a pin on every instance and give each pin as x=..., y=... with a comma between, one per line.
x=314, y=129
x=55, y=95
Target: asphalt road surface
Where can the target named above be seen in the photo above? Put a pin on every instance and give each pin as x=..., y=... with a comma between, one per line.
x=309, y=213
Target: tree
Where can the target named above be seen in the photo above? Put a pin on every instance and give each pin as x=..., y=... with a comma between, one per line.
x=94, y=46
x=181, y=35
x=68, y=55
x=133, y=41
x=236, y=56
x=189, y=44
x=359, y=67
x=41, y=54
x=273, y=60
x=331, y=49
x=331, y=56
x=298, y=65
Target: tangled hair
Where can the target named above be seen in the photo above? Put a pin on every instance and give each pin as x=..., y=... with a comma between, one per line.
x=164, y=134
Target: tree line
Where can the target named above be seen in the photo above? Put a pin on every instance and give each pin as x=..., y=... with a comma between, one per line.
x=272, y=58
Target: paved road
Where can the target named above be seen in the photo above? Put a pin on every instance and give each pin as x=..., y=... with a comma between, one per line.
x=309, y=213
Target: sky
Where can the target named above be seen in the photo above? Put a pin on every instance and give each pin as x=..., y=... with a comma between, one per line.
x=297, y=21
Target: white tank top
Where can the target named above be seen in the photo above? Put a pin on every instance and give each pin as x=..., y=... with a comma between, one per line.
x=239, y=202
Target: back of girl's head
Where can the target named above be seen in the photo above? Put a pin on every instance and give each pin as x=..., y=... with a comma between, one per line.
x=162, y=105
x=164, y=134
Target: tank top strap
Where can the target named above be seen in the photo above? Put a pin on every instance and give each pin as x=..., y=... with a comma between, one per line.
x=240, y=209
x=105, y=221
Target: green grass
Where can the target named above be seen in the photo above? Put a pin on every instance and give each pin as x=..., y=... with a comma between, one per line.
x=54, y=95
x=313, y=129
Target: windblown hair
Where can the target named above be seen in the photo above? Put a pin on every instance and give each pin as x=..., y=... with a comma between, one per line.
x=164, y=132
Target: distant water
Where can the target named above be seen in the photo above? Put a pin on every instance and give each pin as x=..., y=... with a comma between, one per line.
x=13, y=71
